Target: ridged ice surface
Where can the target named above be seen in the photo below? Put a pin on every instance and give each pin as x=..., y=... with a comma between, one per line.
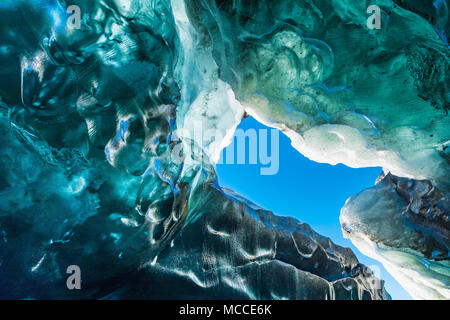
x=404, y=224
x=102, y=167
x=341, y=92
x=347, y=94
x=197, y=242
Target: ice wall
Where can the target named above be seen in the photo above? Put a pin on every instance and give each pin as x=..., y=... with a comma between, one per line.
x=404, y=224
x=110, y=128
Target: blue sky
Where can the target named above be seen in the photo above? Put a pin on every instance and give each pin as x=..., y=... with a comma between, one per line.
x=312, y=192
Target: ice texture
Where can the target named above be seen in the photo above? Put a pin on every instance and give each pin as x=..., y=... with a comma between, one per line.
x=347, y=94
x=341, y=92
x=102, y=167
x=110, y=132
x=198, y=242
x=404, y=224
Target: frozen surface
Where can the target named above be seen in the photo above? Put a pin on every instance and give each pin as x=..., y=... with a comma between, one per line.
x=102, y=167
x=405, y=225
x=111, y=130
x=197, y=241
x=341, y=92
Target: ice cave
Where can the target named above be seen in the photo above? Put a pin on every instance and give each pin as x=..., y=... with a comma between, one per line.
x=114, y=115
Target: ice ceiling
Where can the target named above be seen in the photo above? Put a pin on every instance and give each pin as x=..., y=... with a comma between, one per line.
x=102, y=165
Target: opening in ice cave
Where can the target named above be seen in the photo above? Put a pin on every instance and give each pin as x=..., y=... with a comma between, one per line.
x=313, y=192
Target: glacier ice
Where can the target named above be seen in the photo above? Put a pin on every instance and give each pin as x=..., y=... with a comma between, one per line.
x=110, y=133
x=404, y=224
x=341, y=92
x=197, y=241
x=344, y=93
x=102, y=167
